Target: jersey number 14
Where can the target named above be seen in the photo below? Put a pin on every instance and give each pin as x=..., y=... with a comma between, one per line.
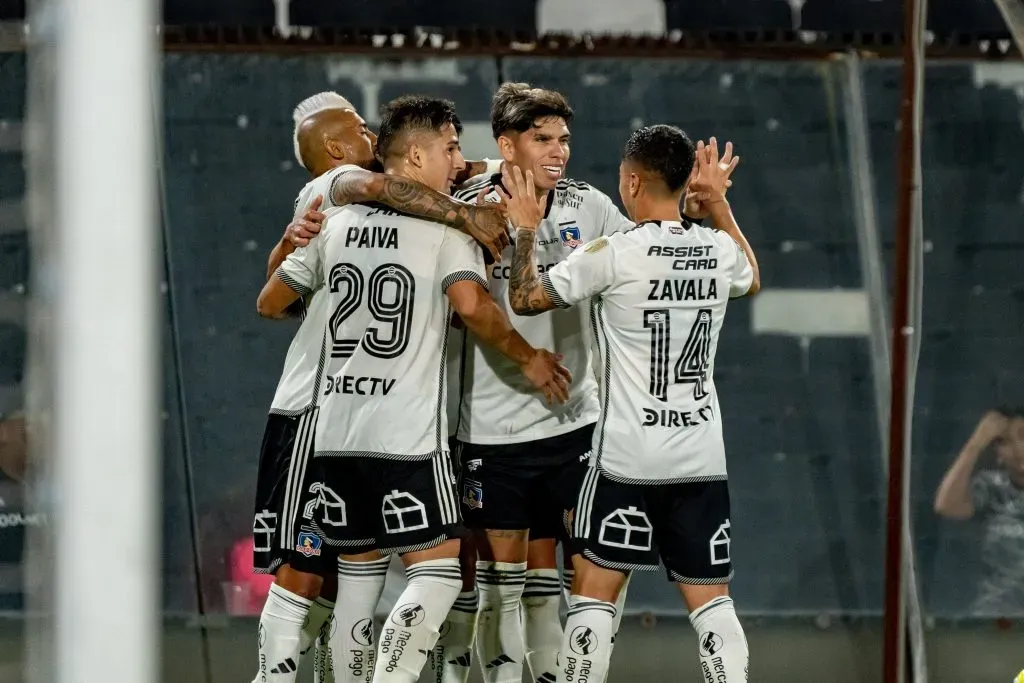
x=390, y=293
x=692, y=365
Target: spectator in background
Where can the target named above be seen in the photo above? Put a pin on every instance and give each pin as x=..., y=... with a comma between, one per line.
x=996, y=497
x=13, y=516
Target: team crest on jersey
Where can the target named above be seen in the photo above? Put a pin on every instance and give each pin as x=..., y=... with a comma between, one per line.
x=472, y=494
x=570, y=234
x=308, y=544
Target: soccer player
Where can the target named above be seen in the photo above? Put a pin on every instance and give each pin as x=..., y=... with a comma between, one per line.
x=332, y=142
x=657, y=295
x=522, y=460
x=381, y=470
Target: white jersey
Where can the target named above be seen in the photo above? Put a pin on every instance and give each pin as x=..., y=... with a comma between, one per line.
x=498, y=403
x=659, y=297
x=385, y=329
x=295, y=390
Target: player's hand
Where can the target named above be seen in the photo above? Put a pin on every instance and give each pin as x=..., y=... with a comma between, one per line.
x=307, y=226
x=488, y=226
x=546, y=373
x=693, y=207
x=525, y=209
x=992, y=425
x=708, y=180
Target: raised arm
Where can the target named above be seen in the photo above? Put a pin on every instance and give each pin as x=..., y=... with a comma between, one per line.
x=484, y=223
x=954, y=499
x=710, y=185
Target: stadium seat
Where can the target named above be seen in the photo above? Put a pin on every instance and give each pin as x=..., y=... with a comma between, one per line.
x=12, y=10
x=12, y=75
x=699, y=15
x=965, y=16
x=852, y=15
x=226, y=12
x=516, y=16
x=12, y=353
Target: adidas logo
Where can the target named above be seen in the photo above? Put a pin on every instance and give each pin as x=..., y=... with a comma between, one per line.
x=465, y=659
x=285, y=667
x=499, y=660
x=546, y=677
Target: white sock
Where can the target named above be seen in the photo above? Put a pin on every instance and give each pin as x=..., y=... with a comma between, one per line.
x=281, y=623
x=586, y=645
x=499, y=642
x=541, y=622
x=452, y=658
x=568, y=574
x=412, y=628
x=721, y=644
x=317, y=632
x=620, y=608
x=353, y=647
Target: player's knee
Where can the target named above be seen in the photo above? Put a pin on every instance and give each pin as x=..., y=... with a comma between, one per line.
x=593, y=581
x=542, y=554
x=447, y=550
x=300, y=583
x=697, y=596
x=502, y=545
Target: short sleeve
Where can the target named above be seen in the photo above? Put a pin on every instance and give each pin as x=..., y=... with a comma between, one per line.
x=460, y=258
x=302, y=269
x=326, y=182
x=586, y=273
x=742, y=272
x=609, y=217
x=983, y=488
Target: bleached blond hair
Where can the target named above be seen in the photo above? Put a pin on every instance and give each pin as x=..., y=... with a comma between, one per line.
x=315, y=104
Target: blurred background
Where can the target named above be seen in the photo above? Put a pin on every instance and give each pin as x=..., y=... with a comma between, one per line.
x=808, y=91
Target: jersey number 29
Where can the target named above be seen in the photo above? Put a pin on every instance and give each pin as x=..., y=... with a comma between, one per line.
x=391, y=290
x=692, y=365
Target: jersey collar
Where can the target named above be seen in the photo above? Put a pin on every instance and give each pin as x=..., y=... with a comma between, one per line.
x=685, y=224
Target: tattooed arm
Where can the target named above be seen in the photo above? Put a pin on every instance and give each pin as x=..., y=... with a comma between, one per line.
x=484, y=223
x=526, y=294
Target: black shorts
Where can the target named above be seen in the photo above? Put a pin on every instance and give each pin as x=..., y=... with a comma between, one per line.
x=630, y=526
x=281, y=479
x=354, y=504
x=527, y=485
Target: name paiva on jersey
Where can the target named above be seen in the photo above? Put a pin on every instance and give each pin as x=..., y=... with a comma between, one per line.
x=346, y=384
x=504, y=272
x=676, y=418
x=683, y=290
x=687, y=258
x=372, y=237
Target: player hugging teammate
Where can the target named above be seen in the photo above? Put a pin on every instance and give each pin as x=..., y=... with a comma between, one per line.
x=363, y=468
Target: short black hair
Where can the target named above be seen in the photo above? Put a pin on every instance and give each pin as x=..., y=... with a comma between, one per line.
x=665, y=150
x=516, y=107
x=413, y=112
x=1011, y=410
